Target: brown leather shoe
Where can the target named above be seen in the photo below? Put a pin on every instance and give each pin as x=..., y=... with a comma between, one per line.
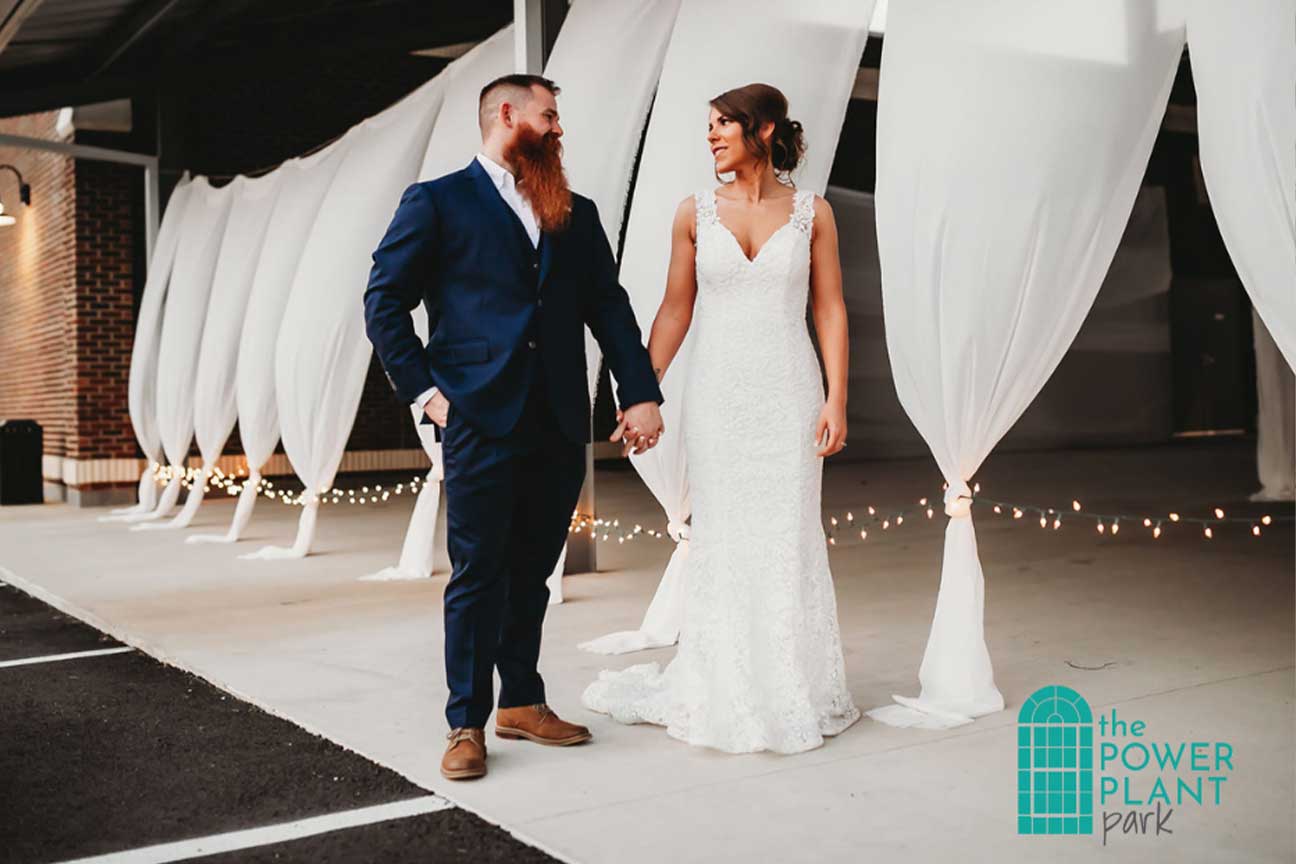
x=540, y=724
x=465, y=755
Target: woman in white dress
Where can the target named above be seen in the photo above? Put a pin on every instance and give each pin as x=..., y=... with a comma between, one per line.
x=759, y=664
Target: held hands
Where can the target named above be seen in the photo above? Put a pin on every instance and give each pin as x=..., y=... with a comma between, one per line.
x=638, y=428
x=437, y=409
x=831, y=425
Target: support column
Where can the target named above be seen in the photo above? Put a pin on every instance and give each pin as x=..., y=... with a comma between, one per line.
x=535, y=27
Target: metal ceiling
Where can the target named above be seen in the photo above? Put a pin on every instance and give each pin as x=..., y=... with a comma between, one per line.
x=62, y=52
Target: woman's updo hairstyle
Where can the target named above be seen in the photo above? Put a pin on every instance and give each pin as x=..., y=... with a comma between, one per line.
x=753, y=106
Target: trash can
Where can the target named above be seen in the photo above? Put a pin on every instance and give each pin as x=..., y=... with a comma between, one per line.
x=20, y=462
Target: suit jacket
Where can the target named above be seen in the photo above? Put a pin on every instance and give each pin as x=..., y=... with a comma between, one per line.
x=499, y=309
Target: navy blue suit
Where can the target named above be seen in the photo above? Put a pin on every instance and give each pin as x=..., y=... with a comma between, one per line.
x=507, y=349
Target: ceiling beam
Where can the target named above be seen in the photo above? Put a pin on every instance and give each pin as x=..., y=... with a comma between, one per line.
x=127, y=34
x=20, y=13
x=63, y=93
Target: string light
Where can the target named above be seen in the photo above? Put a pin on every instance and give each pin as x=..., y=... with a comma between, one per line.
x=609, y=529
x=234, y=486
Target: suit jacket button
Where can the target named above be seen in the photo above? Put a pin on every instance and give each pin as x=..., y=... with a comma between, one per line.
x=531, y=343
x=535, y=265
x=540, y=301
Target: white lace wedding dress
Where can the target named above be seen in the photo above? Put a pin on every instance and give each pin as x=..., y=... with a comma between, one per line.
x=759, y=664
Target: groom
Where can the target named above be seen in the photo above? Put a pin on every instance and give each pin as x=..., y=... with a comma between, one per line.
x=511, y=266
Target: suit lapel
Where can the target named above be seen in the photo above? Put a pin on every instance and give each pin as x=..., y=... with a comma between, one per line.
x=508, y=224
x=548, y=249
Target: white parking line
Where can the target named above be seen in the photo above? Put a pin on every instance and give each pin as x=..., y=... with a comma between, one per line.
x=75, y=655
x=252, y=837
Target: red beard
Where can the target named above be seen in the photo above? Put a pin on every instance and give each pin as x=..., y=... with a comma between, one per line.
x=537, y=159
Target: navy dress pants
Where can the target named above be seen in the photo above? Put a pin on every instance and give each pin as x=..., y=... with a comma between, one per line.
x=509, y=503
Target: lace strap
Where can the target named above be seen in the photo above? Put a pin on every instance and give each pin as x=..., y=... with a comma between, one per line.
x=705, y=203
x=803, y=211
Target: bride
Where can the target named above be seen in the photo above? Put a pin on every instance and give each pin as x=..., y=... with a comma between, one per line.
x=759, y=664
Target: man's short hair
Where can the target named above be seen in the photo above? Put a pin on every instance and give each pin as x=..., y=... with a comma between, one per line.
x=515, y=89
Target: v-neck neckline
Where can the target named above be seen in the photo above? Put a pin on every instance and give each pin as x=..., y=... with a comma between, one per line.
x=715, y=215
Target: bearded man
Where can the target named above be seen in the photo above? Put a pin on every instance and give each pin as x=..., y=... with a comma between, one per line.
x=511, y=266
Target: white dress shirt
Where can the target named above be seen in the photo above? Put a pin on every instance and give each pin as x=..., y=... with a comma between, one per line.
x=507, y=188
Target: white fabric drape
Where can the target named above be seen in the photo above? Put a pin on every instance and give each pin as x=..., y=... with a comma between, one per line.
x=322, y=353
x=811, y=51
x=456, y=137
x=1244, y=66
x=302, y=185
x=206, y=212
x=1276, y=424
x=1119, y=361
x=1012, y=140
x=142, y=395
x=608, y=52
x=213, y=388
x=454, y=140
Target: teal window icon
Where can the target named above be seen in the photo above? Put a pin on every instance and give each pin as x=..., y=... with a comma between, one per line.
x=1055, y=763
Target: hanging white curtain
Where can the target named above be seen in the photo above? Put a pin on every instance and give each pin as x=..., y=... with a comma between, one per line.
x=1120, y=359
x=322, y=353
x=1243, y=55
x=455, y=138
x=1012, y=139
x=206, y=212
x=142, y=396
x=215, y=409
x=810, y=50
x=608, y=52
x=302, y=184
x=1276, y=423
x=213, y=388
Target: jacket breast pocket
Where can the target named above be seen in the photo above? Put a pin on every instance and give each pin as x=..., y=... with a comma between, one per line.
x=463, y=353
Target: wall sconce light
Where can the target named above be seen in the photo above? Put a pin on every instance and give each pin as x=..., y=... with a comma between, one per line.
x=24, y=195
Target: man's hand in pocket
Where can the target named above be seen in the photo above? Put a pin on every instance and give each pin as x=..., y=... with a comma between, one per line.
x=437, y=408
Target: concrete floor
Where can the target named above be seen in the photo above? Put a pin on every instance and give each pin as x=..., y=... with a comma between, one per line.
x=1194, y=637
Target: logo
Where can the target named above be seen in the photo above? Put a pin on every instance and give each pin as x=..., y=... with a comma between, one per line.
x=1055, y=763
x=1141, y=782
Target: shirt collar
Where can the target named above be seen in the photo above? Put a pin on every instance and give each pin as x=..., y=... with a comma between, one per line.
x=499, y=175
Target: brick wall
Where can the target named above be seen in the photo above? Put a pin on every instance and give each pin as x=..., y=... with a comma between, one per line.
x=38, y=298
x=104, y=316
